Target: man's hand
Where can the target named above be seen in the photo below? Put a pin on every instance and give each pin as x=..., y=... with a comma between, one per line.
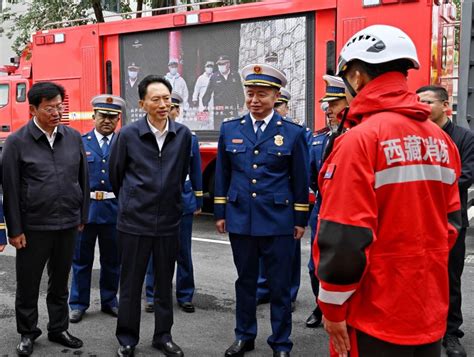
x=299, y=232
x=198, y=211
x=80, y=227
x=339, y=336
x=2, y=247
x=18, y=242
x=220, y=225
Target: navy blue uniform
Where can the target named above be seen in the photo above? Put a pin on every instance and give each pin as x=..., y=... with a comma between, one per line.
x=3, y=235
x=262, y=193
x=263, y=292
x=192, y=201
x=101, y=224
x=316, y=151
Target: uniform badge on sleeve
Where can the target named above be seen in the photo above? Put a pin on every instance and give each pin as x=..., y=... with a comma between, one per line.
x=278, y=140
x=330, y=171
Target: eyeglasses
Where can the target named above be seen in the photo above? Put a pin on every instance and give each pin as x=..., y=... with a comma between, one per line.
x=50, y=110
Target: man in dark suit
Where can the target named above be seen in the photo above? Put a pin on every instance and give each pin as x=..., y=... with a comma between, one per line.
x=46, y=201
x=261, y=199
x=102, y=220
x=192, y=203
x=148, y=166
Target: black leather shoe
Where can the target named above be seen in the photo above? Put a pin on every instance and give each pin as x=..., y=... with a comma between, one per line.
x=239, y=347
x=149, y=307
x=453, y=346
x=112, y=311
x=169, y=348
x=264, y=300
x=187, y=307
x=76, y=315
x=128, y=351
x=66, y=339
x=314, y=320
x=281, y=354
x=25, y=347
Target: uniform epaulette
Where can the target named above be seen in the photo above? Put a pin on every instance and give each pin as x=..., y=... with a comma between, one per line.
x=321, y=131
x=292, y=122
x=194, y=133
x=228, y=120
x=87, y=136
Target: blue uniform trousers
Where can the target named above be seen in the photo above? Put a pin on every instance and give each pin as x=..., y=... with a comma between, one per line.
x=83, y=260
x=263, y=292
x=274, y=252
x=184, y=271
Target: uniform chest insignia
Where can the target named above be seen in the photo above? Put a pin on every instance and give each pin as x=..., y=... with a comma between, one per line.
x=88, y=153
x=278, y=140
x=317, y=142
x=89, y=137
x=237, y=141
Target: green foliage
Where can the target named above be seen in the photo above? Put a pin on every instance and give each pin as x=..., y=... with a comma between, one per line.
x=38, y=14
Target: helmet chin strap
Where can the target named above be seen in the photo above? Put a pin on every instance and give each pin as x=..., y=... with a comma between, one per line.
x=349, y=87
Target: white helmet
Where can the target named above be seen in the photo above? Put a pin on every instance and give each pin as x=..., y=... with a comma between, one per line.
x=378, y=44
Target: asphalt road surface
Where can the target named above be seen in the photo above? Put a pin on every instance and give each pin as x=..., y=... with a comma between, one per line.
x=207, y=332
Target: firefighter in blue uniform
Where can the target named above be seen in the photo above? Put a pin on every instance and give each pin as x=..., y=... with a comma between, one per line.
x=333, y=103
x=263, y=292
x=192, y=204
x=261, y=199
x=3, y=235
x=102, y=215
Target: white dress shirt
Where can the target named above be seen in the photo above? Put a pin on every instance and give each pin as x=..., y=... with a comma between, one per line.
x=99, y=137
x=51, y=137
x=266, y=120
x=159, y=135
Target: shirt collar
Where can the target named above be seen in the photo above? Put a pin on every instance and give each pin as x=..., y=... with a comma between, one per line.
x=266, y=119
x=99, y=136
x=156, y=131
x=45, y=132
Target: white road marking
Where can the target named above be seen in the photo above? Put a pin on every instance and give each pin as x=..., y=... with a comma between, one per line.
x=211, y=240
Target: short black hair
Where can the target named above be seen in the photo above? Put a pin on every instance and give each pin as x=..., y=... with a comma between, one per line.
x=152, y=78
x=375, y=70
x=44, y=90
x=441, y=92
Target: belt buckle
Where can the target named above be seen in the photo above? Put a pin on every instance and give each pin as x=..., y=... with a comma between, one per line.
x=99, y=195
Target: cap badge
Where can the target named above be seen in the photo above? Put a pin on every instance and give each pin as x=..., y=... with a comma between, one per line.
x=109, y=100
x=257, y=69
x=278, y=140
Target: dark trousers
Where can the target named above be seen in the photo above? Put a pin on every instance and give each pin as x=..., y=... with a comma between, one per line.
x=184, y=271
x=313, y=222
x=455, y=269
x=277, y=255
x=135, y=251
x=82, y=263
x=263, y=291
x=368, y=346
x=55, y=248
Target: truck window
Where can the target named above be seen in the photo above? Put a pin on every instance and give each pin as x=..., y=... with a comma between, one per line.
x=4, y=90
x=21, y=92
x=202, y=64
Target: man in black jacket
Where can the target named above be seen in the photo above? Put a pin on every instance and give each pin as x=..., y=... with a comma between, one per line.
x=437, y=98
x=46, y=201
x=148, y=166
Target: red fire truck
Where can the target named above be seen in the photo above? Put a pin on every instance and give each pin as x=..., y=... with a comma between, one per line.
x=301, y=37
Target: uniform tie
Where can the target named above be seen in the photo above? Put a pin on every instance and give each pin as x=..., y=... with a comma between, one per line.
x=105, y=145
x=259, y=131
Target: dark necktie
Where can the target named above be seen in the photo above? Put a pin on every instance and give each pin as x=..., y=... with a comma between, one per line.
x=105, y=145
x=259, y=124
